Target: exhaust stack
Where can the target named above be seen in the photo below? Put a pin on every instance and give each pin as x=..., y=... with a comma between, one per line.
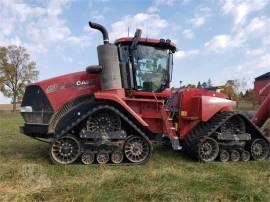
x=102, y=30
x=109, y=61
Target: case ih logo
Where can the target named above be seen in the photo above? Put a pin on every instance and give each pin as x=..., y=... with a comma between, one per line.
x=85, y=82
x=78, y=84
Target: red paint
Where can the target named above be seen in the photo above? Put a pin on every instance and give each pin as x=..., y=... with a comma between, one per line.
x=143, y=40
x=199, y=105
x=147, y=108
x=116, y=96
x=63, y=89
x=262, y=91
x=263, y=112
x=259, y=86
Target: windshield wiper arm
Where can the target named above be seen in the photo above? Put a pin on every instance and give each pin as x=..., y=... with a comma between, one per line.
x=136, y=39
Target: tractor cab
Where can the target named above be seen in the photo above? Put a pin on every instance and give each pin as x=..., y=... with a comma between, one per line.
x=146, y=64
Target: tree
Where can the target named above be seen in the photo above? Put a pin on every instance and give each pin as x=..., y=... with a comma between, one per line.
x=16, y=72
x=251, y=97
x=190, y=86
x=209, y=83
x=199, y=85
x=231, y=89
x=204, y=85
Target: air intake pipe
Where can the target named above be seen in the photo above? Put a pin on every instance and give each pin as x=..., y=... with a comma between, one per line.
x=109, y=61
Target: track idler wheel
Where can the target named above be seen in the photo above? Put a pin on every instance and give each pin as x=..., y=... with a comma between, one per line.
x=88, y=158
x=259, y=149
x=235, y=155
x=103, y=157
x=137, y=149
x=117, y=157
x=245, y=156
x=208, y=150
x=224, y=156
x=65, y=150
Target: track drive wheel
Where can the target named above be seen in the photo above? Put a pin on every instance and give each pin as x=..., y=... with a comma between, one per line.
x=104, y=121
x=224, y=156
x=137, y=149
x=259, y=149
x=234, y=125
x=208, y=150
x=235, y=155
x=65, y=150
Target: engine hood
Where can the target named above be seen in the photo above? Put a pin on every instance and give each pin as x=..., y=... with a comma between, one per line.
x=63, y=89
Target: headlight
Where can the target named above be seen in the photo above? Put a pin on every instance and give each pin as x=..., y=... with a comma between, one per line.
x=26, y=109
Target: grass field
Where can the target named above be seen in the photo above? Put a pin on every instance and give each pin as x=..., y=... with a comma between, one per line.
x=26, y=174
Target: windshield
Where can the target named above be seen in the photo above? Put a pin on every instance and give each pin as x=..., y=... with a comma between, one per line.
x=151, y=68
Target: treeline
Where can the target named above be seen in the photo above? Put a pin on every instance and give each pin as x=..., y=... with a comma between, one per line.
x=234, y=89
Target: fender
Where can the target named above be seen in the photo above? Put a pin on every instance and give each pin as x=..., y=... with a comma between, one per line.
x=211, y=105
x=82, y=111
x=117, y=99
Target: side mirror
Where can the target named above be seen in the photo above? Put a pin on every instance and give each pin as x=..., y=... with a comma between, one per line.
x=94, y=69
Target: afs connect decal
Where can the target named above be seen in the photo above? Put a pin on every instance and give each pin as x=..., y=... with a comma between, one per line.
x=80, y=84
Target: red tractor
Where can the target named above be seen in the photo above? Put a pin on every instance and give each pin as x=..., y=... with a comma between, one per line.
x=112, y=112
x=262, y=90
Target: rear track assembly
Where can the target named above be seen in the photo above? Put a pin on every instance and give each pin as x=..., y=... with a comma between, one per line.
x=229, y=135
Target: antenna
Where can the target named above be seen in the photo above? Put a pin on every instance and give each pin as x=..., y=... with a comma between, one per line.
x=128, y=31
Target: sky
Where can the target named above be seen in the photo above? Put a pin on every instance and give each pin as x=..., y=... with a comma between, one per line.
x=217, y=39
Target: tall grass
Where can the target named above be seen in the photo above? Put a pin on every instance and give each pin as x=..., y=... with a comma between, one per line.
x=26, y=174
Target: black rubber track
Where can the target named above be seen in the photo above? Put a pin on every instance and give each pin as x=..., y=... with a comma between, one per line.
x=122, y=116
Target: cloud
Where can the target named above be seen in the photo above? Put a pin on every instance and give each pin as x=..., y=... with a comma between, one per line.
x=241, y=9
x=255, y=52
x=256, y=66
x=218, y=43
x=151, y=24
x=170, y=2
x=4, y=100
x=200, y=17
x=38, y=26
x=256, y=30
x=188, y=34
x=153, y=9
x=183, y=54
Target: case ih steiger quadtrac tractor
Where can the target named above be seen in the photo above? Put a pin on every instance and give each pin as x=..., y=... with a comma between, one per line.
x=112, y=112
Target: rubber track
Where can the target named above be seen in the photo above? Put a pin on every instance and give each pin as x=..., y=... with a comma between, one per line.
x=102, y=107
x=206, y=129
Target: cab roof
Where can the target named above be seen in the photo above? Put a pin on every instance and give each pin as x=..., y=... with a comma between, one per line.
x=155, y=42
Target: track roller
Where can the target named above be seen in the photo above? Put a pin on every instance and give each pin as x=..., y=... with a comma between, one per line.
x=235, y=155
x=117, y=157
x=102, y=157
x=88, y=158
x=224, y=156
x=245, y=156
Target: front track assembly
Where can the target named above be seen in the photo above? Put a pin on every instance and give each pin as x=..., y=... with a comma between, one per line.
x=228, y=136
x=102, y=138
